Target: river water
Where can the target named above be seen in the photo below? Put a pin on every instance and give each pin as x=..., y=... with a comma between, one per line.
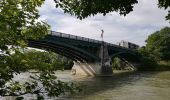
x=124, y=86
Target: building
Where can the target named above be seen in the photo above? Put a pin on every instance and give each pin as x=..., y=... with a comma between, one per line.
x=127, y=44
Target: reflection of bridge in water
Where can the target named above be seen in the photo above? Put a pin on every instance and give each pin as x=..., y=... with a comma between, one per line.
x=92, y=57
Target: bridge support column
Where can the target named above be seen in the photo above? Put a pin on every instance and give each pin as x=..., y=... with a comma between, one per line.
x=106, y=68
x=86, y=69
x=101, y=68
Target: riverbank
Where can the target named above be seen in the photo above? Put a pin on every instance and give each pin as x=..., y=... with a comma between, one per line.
x=122, y=71
x=159, y=67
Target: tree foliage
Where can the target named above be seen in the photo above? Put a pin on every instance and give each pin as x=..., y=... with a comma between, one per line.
x=18, y=23
x=119, y=64
x=158, y=44
x=47, y=60
x=165, y=4
x=85, y=8
x=43, y=83
x=148, y=59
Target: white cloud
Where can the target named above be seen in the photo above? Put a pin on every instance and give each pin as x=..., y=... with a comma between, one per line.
x=135, y=27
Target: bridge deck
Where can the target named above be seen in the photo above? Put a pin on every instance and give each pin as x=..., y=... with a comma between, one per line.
x=69, y=36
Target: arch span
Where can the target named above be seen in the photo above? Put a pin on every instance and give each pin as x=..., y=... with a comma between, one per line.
x=69, y=51
x=132, y=57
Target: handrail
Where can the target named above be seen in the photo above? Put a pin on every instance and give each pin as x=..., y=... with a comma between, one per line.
x=64, y=35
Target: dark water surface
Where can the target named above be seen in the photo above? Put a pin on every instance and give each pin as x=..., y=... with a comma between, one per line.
x=125, y=86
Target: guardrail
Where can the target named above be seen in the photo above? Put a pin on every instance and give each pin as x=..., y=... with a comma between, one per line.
x=69, y=36
x=64, y=35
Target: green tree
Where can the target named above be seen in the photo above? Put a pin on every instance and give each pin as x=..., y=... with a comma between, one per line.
x=19, y=23
x=148, y=59
x=43, y=83
x=158, y=44
x=116, y=63
x=121, y=64
x=85, y=8
x=48, y=60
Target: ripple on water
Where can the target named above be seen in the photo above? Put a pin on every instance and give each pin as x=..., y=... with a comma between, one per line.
x=129, y=86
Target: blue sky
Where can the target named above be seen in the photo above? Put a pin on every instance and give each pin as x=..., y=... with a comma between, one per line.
x=135, y=27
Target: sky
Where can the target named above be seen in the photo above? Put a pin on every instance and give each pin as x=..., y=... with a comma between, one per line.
x=134, y=27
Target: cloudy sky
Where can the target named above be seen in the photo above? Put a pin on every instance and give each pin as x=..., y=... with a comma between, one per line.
x=135, y=27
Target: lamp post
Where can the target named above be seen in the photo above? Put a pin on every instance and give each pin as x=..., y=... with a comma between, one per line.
x=102, y=51
x=102, y=34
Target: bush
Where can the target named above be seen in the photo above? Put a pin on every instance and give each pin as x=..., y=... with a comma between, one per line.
x=148, y=60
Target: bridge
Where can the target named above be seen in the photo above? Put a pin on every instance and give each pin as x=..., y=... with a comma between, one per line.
x=91, y=57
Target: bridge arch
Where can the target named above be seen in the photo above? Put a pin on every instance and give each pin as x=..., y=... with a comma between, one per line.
x=69, y=51
x=90, y=55
x=133, y=57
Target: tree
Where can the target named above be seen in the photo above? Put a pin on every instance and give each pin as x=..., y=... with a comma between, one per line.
x=48, y=60
x=147, y=59
x=165, y=4
x=85, y=8
x=158, y=44
x=116, y=63
x=19, y=23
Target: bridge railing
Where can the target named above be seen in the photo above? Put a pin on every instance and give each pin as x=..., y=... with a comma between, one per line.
x=64, y=35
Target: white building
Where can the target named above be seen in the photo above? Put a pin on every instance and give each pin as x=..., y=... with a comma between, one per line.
x=127, y=44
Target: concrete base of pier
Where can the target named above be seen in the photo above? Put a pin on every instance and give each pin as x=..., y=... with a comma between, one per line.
x=91, y=69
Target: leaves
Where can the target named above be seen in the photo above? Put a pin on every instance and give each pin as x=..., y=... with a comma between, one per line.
x=158, y=44
x=45, y=82
x=18, y=22
x=85, y=8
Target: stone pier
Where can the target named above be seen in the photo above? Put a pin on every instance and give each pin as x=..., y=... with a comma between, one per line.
x=102, y=68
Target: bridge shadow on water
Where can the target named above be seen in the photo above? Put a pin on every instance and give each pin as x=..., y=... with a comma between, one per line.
x=97, y=85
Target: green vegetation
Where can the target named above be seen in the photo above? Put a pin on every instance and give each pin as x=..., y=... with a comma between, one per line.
x=156, y=54
x=159, y=44
x=18, y=23
x=85, y=8
x=47, y=60
x=118, y=64
x=43, y=62
x=148, y=61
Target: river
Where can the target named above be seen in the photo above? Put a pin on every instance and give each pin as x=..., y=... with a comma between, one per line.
x=124, y=86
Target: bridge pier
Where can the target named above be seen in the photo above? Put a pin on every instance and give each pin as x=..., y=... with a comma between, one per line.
x=98, y=68
x=106, y=68
x=91, y=69
x=86, y=69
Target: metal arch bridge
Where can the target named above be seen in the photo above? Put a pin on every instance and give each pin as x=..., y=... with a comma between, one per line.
x=80, y=48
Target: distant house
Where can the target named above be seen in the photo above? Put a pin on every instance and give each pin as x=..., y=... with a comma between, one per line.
x=127, y=44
